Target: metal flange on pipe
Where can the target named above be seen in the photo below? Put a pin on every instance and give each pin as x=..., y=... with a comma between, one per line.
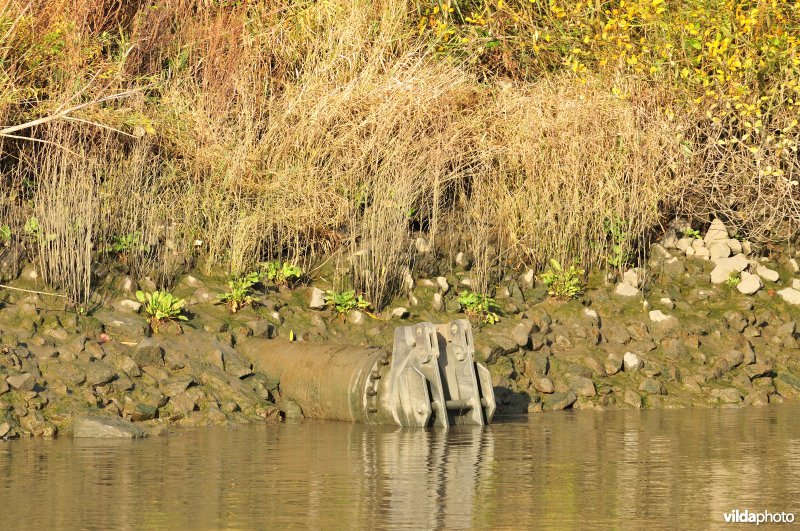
x=430, y=378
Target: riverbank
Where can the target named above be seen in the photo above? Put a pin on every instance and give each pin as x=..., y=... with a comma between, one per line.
x=705, y=322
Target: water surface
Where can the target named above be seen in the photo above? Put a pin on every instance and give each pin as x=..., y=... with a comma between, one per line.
x=677, y=469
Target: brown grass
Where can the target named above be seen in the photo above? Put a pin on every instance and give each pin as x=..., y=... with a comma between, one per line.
x=293, y=129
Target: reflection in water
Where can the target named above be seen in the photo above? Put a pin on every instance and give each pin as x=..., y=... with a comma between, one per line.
x=572, y=469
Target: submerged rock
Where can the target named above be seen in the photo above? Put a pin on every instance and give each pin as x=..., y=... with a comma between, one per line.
x=106, y=428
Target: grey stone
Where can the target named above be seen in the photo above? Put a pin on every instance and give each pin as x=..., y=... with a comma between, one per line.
x=442, y=285
x=356, y=317
x=400, y=313
x=129, y=305
x=719, y=250
x=521, y=333
x=735, y=246
x=624, y=289
x=139, y=411
x=634, y=276
x=725, y=266
x=652, y=386
x=437, y=304
x=537, y=364
x=659, y=317
x=106, y=427
x=290, y=409
x=757, y=398
x=684, y=243
x=423, y=245
x=99, y=373
x=632, y=398
x=183, y=403
x=632, y=362
x=316, y=300
x=148, y=352
x=582, y=386
x=749, y=283
x=717, y=232
x=543, y=384
x=703, y=253
x=526, y=279
x=463, y=261
x=261, y=328
x=613, y=364
x=3, y=387
x=22, y=382
x=793, y=265
x=177, y=384
x=559, y=401
x=729, y=395
x=790, y=295
x=767, y=273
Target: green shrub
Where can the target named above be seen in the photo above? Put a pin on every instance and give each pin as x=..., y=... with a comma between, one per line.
x=239, y=295
x=126, y=243
x=692, y=233
x=343, y=302
x=563, y=283
x=620, y=242
x=5, y=235
x=162, y=307
x=479, y=306
x=733, y=279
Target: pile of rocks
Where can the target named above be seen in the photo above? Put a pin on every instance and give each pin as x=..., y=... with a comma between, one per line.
x=56, y=370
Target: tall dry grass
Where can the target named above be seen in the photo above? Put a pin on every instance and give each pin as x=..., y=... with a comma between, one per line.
x=298, y=129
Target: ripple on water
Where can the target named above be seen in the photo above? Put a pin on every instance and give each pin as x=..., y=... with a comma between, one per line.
x=570, y=469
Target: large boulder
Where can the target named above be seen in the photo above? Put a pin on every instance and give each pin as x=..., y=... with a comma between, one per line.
x=717, y=233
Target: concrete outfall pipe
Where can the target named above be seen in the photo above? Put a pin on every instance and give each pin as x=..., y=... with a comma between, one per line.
x=429, y=378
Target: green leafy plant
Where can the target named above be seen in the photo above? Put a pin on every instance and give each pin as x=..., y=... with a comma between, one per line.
x=343, y=302
x=692, y=233
x=563, y=283
x=620, y=242
x=162, y=307
x=126, y=243
x=34, y=231
x=479, y=306
x=733, y=279
x=239, y=295
x=281, y=273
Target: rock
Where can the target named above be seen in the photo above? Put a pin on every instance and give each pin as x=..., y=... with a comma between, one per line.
x=793, y=265
x=442, y=285
x=3, y=387
x=99, y=373
x=521, y=333
x=684, y=243
x=690, y=252
x=796, y=284
x=717, y=232
x=582, y=386
x=399, y=313
x=129, y=305
x=659, y=317
x=729, y=395
x=634, y=276
x=316, y=299
x=632, y=362
x=176, y=385
x=526, y=279
x=735, y=246
x=719, y=250
x=22, y=382
x=790, y=295
x=767, y=273
x=559, y=401
x=437, y=304
x=463, y=261
x=105, y=428
x=652, y=386
x=183, y=403
x=703, y=253
x=139, y=411
x=356, y=317
x=290, y=409
x=725, y=266
x=261, y=328
x=148, y=352
x=613, y=364
x=632, y=398
x=624, y=289
x=757, y=398
x=543, y=385
x=5, y=430
x=749, y=283
x=537, y=364
x=673, y=268
x=758, y=370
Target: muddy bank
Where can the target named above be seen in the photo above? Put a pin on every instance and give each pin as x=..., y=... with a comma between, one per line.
x=674, y=333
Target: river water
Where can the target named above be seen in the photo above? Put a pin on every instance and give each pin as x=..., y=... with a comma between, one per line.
x=579, y=469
